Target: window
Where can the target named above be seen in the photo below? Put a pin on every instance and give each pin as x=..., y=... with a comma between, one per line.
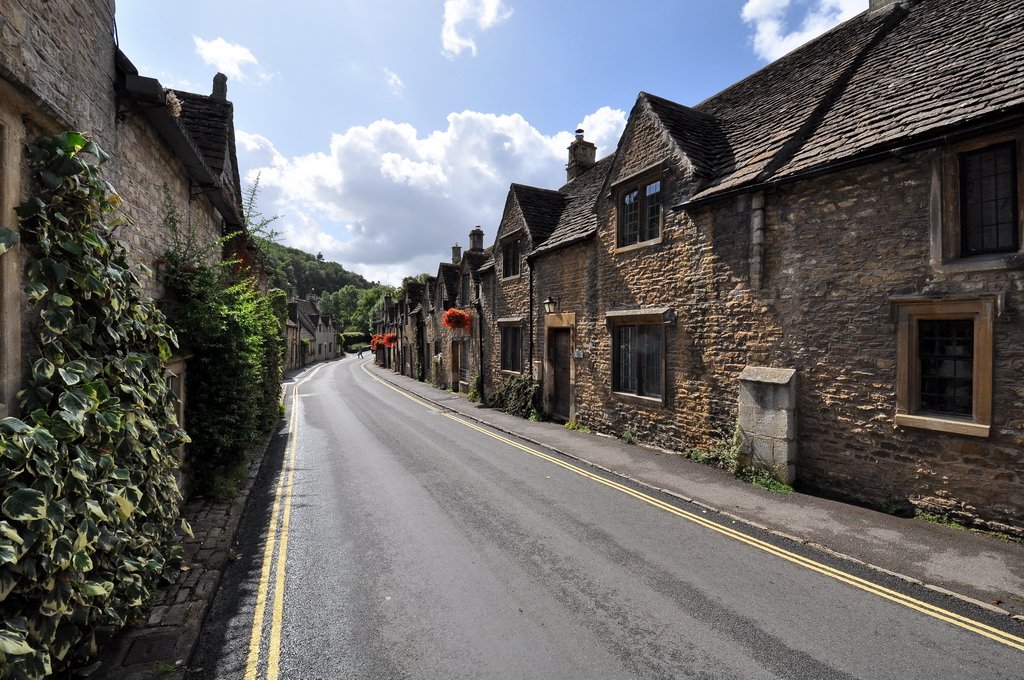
x=944, y=364
x=988, y=200
x=512, y=348
x=465, y=289
x=641, y=210
x=464, y=362
x=638, y=359
x=510, y=257
x=976, y=222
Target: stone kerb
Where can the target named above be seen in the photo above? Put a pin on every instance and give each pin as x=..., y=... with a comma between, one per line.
x=767, y=420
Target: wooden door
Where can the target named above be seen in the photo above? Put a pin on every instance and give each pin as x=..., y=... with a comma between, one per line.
x=560, y=362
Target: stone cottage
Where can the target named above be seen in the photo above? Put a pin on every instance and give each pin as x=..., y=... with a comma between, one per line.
x=158, y=139
x=827, y=255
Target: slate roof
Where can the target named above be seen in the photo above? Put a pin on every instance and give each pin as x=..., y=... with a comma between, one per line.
x=477, y=260
x=448, y=273
x=541, y=209
x=578, y=219
x=210, y=122
x=878, y=81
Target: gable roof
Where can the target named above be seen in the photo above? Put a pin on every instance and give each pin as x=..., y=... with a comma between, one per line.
x=448, y=277
x=578, y=219
x=541, y=209
x=889, y=77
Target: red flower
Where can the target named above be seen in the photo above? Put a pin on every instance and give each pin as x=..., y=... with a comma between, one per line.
x=390, y=339
x=456, y=319
x=376, y=342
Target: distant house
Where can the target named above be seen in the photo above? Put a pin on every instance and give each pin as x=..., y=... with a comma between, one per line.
x=317, y=334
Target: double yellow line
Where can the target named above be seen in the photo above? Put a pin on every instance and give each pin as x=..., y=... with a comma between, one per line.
x=277, y=538
x=867, y=586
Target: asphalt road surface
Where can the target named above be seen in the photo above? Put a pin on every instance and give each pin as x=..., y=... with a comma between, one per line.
x=390, y=539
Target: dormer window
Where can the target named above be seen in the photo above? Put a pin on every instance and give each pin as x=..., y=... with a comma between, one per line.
x=641, y=211
x=510, y=257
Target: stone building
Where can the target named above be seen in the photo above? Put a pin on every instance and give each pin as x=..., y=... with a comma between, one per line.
x=827, y=255
x=156, y=138
x=317, y=332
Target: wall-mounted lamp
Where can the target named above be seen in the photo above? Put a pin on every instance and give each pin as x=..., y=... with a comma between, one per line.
x=550, y=305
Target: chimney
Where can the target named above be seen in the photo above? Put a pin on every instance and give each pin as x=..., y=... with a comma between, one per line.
x=476, y=239
x=220, y=86
x=456, y=254
x=582, y=155
x=311, y=296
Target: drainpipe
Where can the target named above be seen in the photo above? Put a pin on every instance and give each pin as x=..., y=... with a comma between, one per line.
x=480, y=344
x=757, y=241
x=530, y=265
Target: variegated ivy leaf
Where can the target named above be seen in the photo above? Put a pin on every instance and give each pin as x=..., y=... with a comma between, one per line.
x=67, y=635
x=25, y=505
x=9, y=532
x=96, y=510
x=36, y=292
x=14, y=643
x=8, y=555
x=15, y=425
x=8, y=239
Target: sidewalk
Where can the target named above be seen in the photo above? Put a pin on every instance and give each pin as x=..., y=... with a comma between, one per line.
x=967, y=565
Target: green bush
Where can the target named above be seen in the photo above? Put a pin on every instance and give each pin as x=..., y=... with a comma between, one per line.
x=90, y=500
x=517, y=396
x=235, y=336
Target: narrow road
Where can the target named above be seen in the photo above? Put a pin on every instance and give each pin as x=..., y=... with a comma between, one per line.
x=390, y=539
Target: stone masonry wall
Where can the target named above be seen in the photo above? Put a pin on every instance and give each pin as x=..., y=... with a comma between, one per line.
x=510, y=298
x=838, y=249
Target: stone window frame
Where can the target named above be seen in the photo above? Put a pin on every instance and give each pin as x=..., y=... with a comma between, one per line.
x=509, y=324
x=945, y=234
x=982, y=310
x=638, y=182
x=512, y=262
x=657, y=316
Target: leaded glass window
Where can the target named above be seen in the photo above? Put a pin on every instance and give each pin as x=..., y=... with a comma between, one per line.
x=946, y=355
x=988, y=201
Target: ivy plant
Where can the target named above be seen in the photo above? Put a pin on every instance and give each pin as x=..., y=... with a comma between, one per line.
x=90, y=502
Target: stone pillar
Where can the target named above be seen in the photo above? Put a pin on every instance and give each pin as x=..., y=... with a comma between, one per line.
x=767, y=415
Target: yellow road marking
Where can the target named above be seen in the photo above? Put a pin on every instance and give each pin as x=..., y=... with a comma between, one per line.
x=275, y=539
x=867, y=586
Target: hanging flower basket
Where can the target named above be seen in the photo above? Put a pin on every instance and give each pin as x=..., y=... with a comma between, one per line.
x=456, y=319
x=390, y=339
x=376, y=342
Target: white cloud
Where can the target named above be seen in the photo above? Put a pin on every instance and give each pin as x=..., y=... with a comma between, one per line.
x=394, y=82
x=388, y=202
x=774, y=36
x=483, y=13
x=226, y=57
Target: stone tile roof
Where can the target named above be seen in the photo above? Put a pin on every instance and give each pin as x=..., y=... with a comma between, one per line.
x=874, y=82
x=209, y=120
x=448, y=274
x=477, y=260
x=578, y=219
x=541, y=209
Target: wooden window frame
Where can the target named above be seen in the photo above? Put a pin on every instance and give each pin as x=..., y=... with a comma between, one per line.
x=507, y=271
x=502, y=328
x=639, y=182
x=908, y=311
x=945, y=212
x=659, y=317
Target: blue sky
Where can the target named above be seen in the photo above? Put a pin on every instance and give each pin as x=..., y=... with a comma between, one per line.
x=384, y=131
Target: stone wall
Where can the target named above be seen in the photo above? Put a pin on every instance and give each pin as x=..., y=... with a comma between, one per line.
x=839, y=249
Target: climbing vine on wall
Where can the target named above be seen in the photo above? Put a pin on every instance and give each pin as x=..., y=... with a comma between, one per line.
x=235, y=334
x=90, y=501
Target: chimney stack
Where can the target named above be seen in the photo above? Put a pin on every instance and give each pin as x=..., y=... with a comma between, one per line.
x=220, y=86
x=582, y=155
x=456, y=254
x=476, y=239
